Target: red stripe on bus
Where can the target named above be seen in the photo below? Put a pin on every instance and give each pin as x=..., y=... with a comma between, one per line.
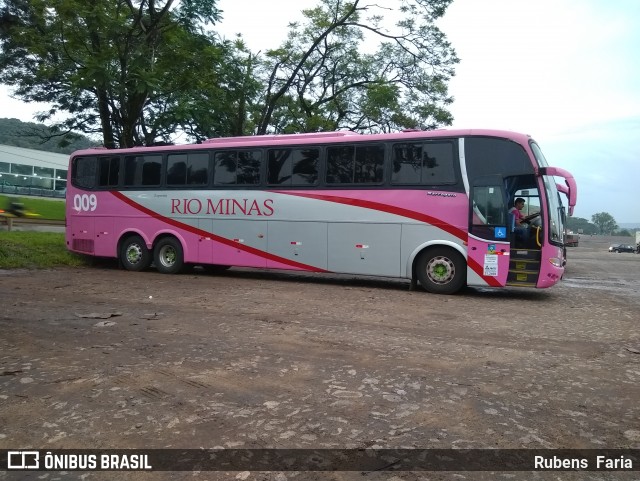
x=217, y=238
x=390, y=209
x=367, y=204
x=477, y=268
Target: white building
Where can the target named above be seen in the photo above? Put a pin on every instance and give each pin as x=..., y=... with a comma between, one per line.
x=32, y=172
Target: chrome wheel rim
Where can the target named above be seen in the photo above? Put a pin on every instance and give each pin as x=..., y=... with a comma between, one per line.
x=167, y=256
x=133, y=254
x=441, y=270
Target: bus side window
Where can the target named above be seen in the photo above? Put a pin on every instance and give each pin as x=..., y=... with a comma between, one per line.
x=142, y=170
x=249, y=163
x=109, y=171
x=488, y=206
x=305, y=167
x=423, y=163
x=225, y=168
x=340, y=165
x=151, y=169
x=369, y=166
x=188, y=169
x=292, y=166
x=363, y=164
x=198, y=168
x=83, y=172
x=237, y=167
x=177, y=169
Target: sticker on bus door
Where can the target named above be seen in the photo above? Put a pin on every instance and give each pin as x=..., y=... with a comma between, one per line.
x=491, y=265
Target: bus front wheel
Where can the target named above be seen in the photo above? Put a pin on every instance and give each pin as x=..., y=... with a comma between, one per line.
x=168, y=256
x=441, y=270
x=134, y=254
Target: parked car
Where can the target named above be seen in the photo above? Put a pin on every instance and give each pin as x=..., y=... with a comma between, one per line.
x=621, y=248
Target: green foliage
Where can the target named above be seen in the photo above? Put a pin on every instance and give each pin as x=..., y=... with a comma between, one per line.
x=35, y=250
x=120, y=68
x=323, y=70
x=605, y=222
x=139, y=72
x=29, y=135
x=45, y=208
x=577, y=224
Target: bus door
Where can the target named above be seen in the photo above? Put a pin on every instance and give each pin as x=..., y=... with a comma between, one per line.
x=489, y=233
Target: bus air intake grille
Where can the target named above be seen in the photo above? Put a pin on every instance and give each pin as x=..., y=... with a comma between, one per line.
x=83, y=245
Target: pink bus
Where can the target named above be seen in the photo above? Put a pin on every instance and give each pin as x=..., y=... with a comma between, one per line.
x=429, y=206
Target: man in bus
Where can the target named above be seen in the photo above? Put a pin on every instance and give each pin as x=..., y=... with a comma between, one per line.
x=518, y=224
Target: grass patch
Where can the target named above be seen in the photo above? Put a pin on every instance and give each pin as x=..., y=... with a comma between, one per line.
x=36, y=250
x=46, y=208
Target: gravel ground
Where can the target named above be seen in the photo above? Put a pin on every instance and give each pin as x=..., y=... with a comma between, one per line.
x=103, y=358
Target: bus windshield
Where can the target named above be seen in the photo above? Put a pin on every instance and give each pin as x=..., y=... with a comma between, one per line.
x=556, y=209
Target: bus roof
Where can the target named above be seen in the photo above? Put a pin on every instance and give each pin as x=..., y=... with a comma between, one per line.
x=316, y=138
x=260, y=138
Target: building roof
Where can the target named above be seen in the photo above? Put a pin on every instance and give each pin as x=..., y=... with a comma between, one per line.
x=37, y=158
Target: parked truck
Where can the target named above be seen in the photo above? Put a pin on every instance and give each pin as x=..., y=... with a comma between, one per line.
x=571, y=239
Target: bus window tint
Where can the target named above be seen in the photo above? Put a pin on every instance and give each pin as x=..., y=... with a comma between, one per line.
x=355, y=165
x=304, y=170
x=248, y=167
x=240, y=167
x=491, y=156
x=188, y=169
x=488, y=206
x=429, y=163
x=83, y=172
x=369, y=165
x=177, y=169
x=198, y=168
x=340, y=165
x=225, y=168
x=142, y=170
x=293, y=166
x=109, y=171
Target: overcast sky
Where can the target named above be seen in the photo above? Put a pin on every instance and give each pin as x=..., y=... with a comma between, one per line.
x=564, y=72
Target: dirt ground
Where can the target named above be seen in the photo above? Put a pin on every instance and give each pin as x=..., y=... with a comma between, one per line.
x=103, y=358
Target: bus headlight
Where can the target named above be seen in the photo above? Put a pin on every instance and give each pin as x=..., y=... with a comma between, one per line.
x=555, y=261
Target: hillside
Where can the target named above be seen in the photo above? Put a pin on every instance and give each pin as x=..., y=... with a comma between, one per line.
x=30, y=135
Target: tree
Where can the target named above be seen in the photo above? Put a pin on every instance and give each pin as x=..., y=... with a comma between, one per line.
x=224, y=103
x=605, y=222
x=578, y=224
x=321, y=78
x=124, y=68
x=140, y=71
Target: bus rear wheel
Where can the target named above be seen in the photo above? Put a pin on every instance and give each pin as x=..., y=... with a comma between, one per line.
x=168, y=256
x=441, y=270
x=134, y=254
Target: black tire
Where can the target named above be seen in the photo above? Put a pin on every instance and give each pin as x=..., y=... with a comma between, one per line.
x=134, y=254
x=441, y=270
x=168, y=256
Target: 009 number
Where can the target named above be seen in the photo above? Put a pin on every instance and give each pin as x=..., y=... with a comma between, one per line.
x=85, y=202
